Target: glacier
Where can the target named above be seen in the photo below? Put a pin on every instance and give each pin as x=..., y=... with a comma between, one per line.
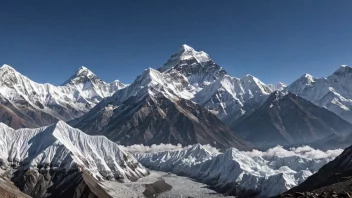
x=244, y=173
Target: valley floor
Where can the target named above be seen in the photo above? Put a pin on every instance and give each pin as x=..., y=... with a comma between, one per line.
x=166, y=185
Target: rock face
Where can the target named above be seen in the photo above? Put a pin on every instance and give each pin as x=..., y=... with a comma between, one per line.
x=287, y=119
x=60, y=161
x=332, y=180
x=235, y=172
x=24, y=103
x=211, y=86
x=198, y=67
x=332, y=92
x=152, y=110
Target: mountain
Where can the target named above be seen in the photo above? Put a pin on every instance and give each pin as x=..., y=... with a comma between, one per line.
x=229, y=97
x=211, y=86
x=234, y=172
x=333, y=92
x=332, y=180
x=287, y=119
x=198, y=67
x=277, y=87
x=60, y=161
x=25, y=103
x=153, y=110
x=89, y=86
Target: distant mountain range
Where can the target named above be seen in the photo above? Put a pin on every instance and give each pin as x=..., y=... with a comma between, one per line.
x=189, y=99
x=25, y=103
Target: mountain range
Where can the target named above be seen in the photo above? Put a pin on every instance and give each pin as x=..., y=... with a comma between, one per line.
x=27, y=104
x=190, y=99
x=63, y=141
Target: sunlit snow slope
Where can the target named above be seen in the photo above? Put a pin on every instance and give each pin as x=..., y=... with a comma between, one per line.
x=25, y=103
x=59, y=153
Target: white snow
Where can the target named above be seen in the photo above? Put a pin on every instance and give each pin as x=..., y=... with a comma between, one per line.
x=62, y=146
x=332, y=92
x=229, y=95
x=80, y=93
x=271, y=172
x=277, y=87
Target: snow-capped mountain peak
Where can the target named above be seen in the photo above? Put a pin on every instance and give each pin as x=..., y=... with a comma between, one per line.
x=152, y=82
x=186, y=48
x=30, y=104
x=82, y=75
x=7, y=67
x=197, y=66
x=343, y=70
x=84, y=71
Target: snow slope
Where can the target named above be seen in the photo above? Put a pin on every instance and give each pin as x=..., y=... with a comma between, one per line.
x=277, y=87
x=153, y=110
x=60, y=146
x=332, y=92
x=198, y=67
x=25, y=103
x=230, y=96
x=210, y=85
x=255, y=173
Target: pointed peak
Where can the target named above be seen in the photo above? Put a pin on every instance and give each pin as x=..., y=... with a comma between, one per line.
x=7, y=67
x=82, y=74
x=84, y=71
x=82, y=68
x=251, y=77
x=148, y=75
x=186, y=48
x=343, y=69
x=307, y=78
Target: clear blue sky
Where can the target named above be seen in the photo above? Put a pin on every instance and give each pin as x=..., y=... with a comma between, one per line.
x=274, y=40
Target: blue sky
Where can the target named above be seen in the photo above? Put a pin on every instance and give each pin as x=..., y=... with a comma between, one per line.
x=273, y=40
